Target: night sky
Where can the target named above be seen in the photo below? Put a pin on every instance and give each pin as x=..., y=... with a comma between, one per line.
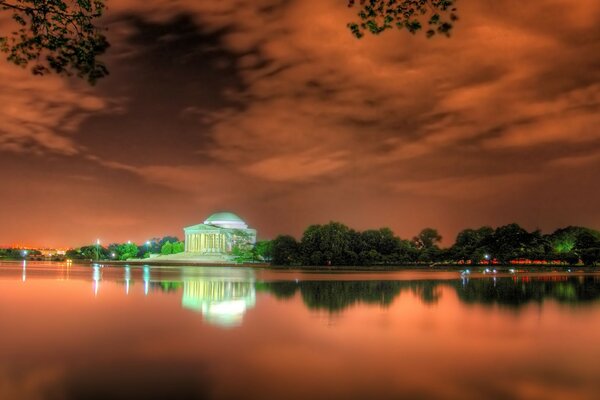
x=272, y=110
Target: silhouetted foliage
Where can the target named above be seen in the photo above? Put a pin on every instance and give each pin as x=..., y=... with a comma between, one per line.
x=471, y=245
x=18, y=254
x=285, y=250
x=377, y=16
x=91, y=252
x=56, y=36
x=428, y=238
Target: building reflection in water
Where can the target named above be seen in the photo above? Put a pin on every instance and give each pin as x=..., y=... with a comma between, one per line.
x=221, y=302
x=222, y=296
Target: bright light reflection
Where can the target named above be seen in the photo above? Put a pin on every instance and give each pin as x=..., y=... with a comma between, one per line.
x=127, y=279
x=24, y=270
x=96, y=278
x=146, y=279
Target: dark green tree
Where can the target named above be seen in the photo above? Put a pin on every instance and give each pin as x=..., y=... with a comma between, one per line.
x=587, y=239
x=511, y=242
x=427, y=239
x=382, y=241
x=285, y=250
x=470, y=244
x=56, y=36
x=591, y=256
x=164, y=239
x=329, y=244
x=91, y=252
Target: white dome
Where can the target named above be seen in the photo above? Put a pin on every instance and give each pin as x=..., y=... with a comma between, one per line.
x=226, y=220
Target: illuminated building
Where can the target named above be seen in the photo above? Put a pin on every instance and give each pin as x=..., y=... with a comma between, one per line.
x=218, y=234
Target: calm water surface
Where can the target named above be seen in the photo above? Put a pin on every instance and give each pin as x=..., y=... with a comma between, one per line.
x=82, y=332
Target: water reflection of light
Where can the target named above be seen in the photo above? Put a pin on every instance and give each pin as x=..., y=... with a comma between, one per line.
x=24, y=270
x=127, y=279
x=96, y=278
x=221, y=302
x=146, y=279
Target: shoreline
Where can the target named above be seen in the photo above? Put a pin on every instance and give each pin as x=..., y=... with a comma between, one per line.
x=341, y=268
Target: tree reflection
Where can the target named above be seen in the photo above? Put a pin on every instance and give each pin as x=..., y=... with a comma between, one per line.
x=515, y=292
x=335, y=296
x=338, y=295
x=223, y=299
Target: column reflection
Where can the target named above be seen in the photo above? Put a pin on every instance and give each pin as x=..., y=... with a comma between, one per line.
x=221, y=302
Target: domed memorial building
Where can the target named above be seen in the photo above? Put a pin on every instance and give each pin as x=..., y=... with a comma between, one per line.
x=218, y=234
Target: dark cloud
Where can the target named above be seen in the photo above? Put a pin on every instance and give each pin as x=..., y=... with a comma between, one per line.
x=174, y=79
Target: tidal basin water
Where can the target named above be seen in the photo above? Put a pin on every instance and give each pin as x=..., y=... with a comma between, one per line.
x=83, y=332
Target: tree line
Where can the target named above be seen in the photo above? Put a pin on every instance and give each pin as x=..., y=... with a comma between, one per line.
x=124, y=251
x=17, y=254
x=336, y=244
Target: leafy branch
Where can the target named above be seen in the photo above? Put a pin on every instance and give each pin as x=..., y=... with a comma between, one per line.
x=56, y=36
x=377, y=16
